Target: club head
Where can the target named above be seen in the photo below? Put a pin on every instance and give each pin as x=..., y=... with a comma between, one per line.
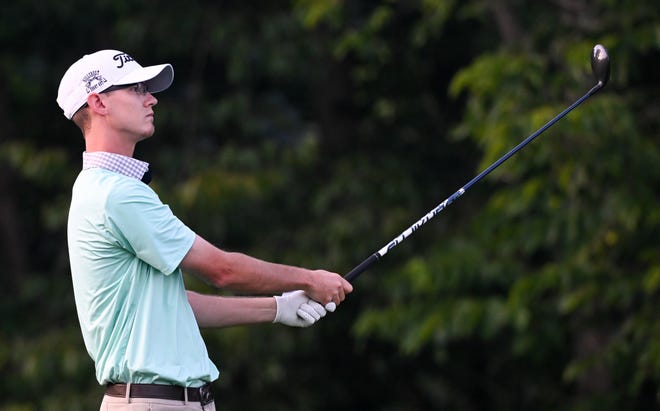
x=600, y=64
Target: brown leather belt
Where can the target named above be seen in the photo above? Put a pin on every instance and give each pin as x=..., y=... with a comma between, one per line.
x=202, y=394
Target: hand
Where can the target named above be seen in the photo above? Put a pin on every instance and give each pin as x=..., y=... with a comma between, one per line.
x=296, y=309
x=328, y=288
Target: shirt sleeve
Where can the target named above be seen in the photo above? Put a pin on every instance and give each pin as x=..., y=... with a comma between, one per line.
x=146, y=227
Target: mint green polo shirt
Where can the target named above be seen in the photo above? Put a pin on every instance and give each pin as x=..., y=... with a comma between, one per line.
x=125, y=247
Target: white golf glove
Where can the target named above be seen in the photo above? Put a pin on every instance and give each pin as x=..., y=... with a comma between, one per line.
x=296, y=309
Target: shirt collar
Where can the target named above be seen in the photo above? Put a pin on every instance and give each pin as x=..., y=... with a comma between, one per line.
x=117, y=163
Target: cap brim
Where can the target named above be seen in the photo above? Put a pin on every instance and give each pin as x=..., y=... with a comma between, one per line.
x=157, y=78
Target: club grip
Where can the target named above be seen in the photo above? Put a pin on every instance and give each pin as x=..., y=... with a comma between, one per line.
x=362, y=267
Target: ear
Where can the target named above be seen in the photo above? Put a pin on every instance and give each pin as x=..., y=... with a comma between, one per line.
x=96, y=104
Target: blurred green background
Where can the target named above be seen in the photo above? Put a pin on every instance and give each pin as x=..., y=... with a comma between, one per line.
x=313, y=132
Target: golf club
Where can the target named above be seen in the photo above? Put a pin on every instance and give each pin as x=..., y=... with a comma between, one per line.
x=600, y=66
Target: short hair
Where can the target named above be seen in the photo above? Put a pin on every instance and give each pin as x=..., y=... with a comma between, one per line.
x=81, y=119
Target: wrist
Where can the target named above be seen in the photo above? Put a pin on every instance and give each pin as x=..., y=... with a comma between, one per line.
x=272, y=313
x=308, y=281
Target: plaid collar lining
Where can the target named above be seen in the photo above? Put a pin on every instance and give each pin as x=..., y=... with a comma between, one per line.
x=117, y=163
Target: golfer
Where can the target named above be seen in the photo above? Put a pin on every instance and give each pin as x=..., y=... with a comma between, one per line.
x=127, y=251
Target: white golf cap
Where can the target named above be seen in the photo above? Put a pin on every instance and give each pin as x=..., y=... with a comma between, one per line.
x=95, y=72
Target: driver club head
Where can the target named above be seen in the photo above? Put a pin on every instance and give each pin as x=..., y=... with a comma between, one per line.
x=600, y=64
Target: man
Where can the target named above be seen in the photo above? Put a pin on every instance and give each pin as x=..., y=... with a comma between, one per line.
x=127, y=251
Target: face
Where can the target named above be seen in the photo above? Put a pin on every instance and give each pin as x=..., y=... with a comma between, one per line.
x=130, y=110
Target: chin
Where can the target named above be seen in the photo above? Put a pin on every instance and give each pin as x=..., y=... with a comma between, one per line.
x=146, y=135
x=150, y=132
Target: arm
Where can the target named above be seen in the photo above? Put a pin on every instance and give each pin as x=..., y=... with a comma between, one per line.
x=245, y=274
x=217, y=311
x=294, y=309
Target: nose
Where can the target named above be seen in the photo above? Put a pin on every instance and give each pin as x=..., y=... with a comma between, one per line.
x=151, y=100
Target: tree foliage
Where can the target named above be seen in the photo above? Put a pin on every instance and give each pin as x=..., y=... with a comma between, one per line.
x=311, y=133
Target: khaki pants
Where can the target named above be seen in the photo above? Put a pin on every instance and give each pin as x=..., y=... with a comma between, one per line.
x=150, y=404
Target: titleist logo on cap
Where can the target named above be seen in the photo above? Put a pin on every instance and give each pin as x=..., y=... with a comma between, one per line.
x=122, y=58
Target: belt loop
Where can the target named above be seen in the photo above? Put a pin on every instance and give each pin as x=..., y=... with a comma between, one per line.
x=128, y=393
x=185, y=395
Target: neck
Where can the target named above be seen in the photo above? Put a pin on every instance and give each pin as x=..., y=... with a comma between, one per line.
x=125, y=151
x=94, y=142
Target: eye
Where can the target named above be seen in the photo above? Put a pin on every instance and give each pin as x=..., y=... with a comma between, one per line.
x=141, y=89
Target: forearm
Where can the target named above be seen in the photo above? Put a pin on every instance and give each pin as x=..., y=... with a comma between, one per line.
x=249, y=275
x=242, y=273
x=219, y=311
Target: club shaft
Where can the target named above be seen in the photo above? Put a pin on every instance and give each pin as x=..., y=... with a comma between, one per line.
x=368, y=262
